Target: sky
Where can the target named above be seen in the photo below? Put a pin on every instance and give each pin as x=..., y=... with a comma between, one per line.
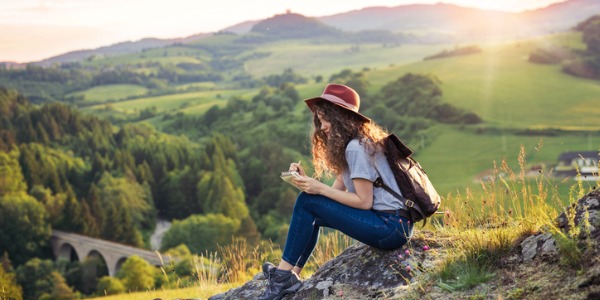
x=32, y=30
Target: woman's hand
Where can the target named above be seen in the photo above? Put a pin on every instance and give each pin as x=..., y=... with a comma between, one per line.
x=297, y=168
x=309, y=184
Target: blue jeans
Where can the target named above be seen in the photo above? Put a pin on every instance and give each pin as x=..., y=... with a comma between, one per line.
x=377, y=229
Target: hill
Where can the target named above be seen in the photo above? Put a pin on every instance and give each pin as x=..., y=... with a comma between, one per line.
x=456, y=21
x=292, y=26
x=429, y=22
x=449, y=22
x=119, y=49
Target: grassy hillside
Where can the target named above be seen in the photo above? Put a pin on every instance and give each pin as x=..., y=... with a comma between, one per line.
x=192, y=102
x=112, y=92
x=506, y=90
x=454, y=157
x=310, y=59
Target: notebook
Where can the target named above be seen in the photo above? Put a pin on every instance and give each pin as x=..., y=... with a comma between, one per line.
x=288, y=175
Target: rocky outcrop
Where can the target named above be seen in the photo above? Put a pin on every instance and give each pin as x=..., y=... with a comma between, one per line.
x=538, y=245
x=531, y=271
x=360, y=272
x=584, y=214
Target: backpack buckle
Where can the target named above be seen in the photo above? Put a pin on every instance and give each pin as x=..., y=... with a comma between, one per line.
x=378, y=182
x=409, y=203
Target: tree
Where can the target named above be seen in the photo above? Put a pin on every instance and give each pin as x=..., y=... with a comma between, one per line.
x=220, y=190
x=9, y=289
x=60, y=289
x=11, y=177
x=413, y=95
x=137, y=274
x=35, y=276
x=109, y=286
x=24, y=226
x=125, y=209
x=176, y=203
x=356, y=81
x=201, y=232
x=591, y=34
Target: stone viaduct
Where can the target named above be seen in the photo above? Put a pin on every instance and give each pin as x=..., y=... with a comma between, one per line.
x=71, y=246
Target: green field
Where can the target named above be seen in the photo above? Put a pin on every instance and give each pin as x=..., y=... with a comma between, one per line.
x=454, y=157
x=112, y=92
x=192, y=102
x=172, y=55
x=310, y=59
x=506, y=90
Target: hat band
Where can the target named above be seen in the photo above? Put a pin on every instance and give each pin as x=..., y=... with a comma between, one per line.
x=338, y=100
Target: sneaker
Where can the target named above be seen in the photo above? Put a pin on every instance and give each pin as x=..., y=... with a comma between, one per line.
x=281, y=283
x=266, y=267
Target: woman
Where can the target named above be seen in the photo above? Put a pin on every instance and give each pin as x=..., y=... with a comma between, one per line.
x=349, y=145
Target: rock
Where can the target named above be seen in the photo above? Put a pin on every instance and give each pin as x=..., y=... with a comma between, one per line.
x=360, y=272
x=590, y=204
x=536, y=245
x=586, y=209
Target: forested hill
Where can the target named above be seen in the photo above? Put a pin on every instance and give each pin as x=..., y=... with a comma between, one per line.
x=74, y=172
x=294, y=26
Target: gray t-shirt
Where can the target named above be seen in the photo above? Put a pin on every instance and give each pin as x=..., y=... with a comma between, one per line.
x=361, y=165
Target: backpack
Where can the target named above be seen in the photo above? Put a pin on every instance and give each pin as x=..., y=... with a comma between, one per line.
x=418, y=194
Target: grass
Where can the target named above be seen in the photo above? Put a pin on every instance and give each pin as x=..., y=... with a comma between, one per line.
x=231, y=266
x=311, y=59
x=506, y=90
x=484, y=228
x=111, y=92
x=191, y=102
x=170, y=55
x=194, y=292
x=451, y=163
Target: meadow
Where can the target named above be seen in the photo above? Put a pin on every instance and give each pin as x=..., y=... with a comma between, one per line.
x=110, y=93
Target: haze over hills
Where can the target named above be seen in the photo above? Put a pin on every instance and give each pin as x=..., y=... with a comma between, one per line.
x=559, y=16
x=435, y=22
x=448, y=17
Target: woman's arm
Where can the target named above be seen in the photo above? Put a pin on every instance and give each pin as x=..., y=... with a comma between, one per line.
x=339, y=183
x=362, y=199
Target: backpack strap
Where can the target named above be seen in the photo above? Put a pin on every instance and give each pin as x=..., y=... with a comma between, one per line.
x=409, y=204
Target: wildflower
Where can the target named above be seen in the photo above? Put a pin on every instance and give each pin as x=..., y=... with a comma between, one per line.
x=425, y=248
x=407, y=252
x=408, y=268
x=340, y=294
x=400, y=256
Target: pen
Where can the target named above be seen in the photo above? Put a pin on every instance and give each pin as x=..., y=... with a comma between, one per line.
x=298, y=167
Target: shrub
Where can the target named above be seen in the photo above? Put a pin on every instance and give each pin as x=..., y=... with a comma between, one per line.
x=137, y=274
x=110, y=286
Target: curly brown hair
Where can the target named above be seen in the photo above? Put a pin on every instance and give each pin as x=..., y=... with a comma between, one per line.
x=329, y=153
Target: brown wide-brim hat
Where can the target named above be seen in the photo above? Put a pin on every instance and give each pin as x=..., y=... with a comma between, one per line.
x=340, y=95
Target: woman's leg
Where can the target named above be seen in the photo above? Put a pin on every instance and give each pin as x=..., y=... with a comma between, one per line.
x=313, y=211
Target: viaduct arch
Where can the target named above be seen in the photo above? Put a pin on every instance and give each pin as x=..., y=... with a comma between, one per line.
x=71, y=246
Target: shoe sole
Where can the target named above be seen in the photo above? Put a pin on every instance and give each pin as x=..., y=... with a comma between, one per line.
x=292, y=289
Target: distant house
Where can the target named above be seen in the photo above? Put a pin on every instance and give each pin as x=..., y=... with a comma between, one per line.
x=582, y=162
